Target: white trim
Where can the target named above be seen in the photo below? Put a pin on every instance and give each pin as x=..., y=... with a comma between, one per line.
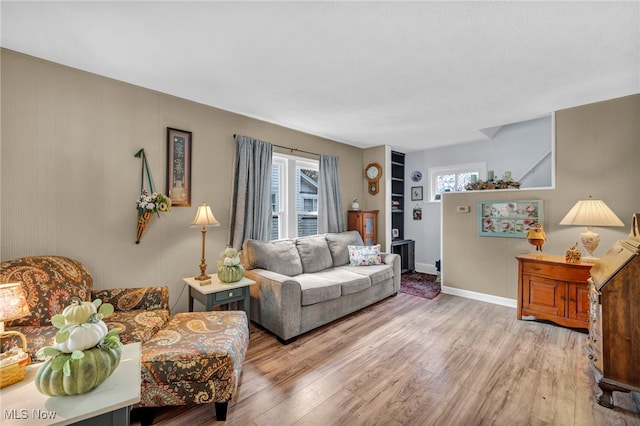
x=496, y=300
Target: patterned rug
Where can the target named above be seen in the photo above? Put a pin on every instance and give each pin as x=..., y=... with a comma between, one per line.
x=420, y=284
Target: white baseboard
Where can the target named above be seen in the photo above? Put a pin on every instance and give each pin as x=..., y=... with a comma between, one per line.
x=497, y=300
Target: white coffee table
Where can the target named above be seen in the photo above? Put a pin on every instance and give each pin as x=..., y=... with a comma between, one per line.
x=108, y=404
x=213, y=292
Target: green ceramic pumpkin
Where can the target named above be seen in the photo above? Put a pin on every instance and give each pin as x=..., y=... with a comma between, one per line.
x=230, y=274
x=85, y=373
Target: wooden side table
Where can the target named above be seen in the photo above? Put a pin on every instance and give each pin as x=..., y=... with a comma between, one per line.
x=551, y=289
x=213, y=292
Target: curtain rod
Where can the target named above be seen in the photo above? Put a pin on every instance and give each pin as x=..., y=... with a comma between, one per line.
x=290, y=149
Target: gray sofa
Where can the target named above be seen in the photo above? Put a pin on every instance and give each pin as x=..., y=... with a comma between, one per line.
x=307, y=282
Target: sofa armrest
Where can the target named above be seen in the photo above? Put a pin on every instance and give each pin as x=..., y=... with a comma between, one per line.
x=394, y=260
x=128, y=299
x=276, y=302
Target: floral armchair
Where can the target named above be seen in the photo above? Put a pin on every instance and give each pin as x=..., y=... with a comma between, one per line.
x=192, y=358
x=51, y=282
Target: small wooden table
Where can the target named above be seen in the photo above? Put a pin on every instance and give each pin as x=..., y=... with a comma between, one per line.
x=108, y=404
x=213, y=292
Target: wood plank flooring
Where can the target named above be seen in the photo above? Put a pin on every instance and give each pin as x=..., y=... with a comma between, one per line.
x=413, y=361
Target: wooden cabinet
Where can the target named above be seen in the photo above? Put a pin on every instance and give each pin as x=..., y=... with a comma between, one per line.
x=366, y=223
x=614, y=333
x=551, y=289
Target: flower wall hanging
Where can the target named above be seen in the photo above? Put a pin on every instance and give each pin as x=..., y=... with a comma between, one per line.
x=149, y=202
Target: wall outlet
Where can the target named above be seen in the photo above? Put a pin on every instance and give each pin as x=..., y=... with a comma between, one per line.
x=463, y=209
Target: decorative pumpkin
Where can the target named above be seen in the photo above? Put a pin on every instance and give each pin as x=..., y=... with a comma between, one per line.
x=78, y=337
x=230, y=274
x=229, y=268
x=79, y=312
x=85, y=373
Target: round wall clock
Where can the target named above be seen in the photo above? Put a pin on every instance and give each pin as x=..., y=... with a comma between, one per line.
x=416, y=176
x=373, y=172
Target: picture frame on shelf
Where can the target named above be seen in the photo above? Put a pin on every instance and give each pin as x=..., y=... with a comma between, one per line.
x=509, y=218
x=179, y=146
x=416, y=193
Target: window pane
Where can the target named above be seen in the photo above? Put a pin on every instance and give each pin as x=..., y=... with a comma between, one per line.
x=275, y=188
x=275, y=227
x=307, y=225
x=306, y=189
x=463, y=179
x=446, y=183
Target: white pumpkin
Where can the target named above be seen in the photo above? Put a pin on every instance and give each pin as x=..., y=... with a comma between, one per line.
x=78, y=337
x=78, y=312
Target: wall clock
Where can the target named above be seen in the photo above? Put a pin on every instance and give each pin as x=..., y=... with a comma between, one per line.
x=416, y=176
x=373, y=172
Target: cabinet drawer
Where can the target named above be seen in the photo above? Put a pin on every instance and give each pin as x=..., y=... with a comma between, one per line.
x=559, y=272
x=230, y=294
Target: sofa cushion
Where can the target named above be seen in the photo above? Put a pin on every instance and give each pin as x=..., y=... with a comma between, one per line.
x=37, y=337
x=138, y=325
x=314, y=254
x=350, y=282
x=338, y=243
x=50, y=284
x=276, y=256
x=316, y=288
x=364, y=255
x=377, y=273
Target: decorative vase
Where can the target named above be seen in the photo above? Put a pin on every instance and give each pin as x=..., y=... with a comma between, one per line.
x=230, y=274
x=143, y=221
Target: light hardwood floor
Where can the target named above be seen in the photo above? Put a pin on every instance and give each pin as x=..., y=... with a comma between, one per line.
x=413, y=361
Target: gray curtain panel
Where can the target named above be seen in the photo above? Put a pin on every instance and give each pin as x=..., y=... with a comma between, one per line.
x=251, y=203
x=330, y=214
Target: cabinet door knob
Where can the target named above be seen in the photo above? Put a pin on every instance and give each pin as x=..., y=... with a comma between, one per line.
x=230, y=294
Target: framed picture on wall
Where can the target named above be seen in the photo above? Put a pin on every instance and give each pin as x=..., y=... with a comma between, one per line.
x=179, y=167
x=508, y=218
x=416, y=193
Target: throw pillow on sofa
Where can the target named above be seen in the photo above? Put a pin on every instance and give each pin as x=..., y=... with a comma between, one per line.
x=364, y=255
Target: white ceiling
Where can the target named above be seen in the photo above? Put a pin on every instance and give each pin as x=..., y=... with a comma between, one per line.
x=413, y=75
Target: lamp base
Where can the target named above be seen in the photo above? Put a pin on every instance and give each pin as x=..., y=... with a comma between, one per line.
x=202, y=277
x=590, y=241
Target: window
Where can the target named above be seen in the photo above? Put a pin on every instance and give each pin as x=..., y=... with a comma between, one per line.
x=294, y=196
x=453, y=178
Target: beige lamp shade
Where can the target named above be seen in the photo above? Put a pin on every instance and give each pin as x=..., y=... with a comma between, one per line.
x=13, y=304
x=591, y=213
x=204, y=217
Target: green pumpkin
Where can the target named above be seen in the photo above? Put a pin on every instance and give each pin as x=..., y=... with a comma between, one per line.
x=86, y=373
x=230, y=274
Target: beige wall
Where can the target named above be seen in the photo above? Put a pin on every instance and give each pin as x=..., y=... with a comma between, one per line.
x=70, y=179
x=597, y=153
x=378, y=154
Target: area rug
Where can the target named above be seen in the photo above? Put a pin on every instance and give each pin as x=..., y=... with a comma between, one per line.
x=420, y=284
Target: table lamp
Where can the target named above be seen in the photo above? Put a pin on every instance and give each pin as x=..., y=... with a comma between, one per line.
x=591, y=213
x=13, y=304
x=204, y=218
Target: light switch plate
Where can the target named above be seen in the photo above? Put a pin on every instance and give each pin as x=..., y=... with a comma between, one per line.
x=463, y=209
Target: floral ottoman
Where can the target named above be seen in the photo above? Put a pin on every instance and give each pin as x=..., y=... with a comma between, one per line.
x=196, y=358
